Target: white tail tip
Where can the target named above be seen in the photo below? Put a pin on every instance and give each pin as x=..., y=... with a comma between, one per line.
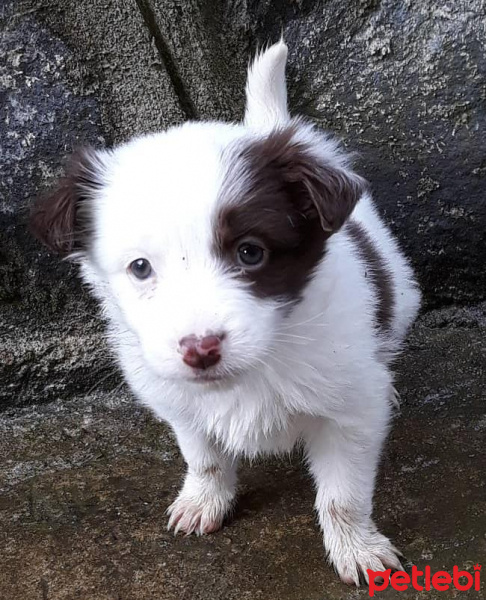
x=266, y=90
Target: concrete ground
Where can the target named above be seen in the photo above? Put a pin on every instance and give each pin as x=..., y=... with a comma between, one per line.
x=85, y=481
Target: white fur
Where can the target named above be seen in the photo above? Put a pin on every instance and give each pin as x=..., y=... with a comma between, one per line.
x=266, y=89
x=316, y=374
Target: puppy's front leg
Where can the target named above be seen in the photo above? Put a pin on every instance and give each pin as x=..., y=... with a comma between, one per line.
x=344, y=462
x=209, y=486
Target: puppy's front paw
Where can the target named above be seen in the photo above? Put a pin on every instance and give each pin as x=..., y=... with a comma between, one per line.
x=354, y=552
x=200, y=507
x=190, y=516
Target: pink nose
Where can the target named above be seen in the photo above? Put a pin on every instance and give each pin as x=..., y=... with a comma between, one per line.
x=201, y=352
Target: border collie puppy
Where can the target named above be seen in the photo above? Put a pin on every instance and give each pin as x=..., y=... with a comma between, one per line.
x=255, y=301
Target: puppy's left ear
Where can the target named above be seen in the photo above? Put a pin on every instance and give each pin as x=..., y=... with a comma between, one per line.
x=311, y=170
x=328, y=190
x=61, y=220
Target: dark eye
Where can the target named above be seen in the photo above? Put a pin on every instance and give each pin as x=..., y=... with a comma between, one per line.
x=141, y=268
x=250, y=255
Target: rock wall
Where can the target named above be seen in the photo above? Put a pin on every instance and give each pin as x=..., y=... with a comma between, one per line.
x=403, y=83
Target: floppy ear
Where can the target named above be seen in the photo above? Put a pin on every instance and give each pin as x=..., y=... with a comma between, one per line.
x=266, y=90
x=333, y=192
x=312, y=171
x=61, y=220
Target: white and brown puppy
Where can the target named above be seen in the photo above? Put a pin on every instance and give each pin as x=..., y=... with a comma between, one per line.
x=255, y=301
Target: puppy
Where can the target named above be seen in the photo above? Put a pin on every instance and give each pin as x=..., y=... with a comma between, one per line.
x=255, y=301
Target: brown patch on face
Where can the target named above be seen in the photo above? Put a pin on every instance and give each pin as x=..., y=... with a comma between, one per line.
x=280, y=196
x=61, y=220
x=377, y=272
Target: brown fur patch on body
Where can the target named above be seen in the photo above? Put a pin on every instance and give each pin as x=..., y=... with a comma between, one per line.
x=377, y=272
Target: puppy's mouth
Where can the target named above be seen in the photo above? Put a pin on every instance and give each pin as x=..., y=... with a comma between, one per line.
x=212, y=377
x=201, y=378
x=207, y=379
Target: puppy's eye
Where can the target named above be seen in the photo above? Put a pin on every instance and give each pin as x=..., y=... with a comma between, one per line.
x=141, y=268
x=250, y=255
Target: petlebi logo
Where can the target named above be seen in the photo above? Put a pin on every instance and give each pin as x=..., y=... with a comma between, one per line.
x=425, y=580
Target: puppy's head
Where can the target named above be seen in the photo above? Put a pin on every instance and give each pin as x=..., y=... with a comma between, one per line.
x=201, y=239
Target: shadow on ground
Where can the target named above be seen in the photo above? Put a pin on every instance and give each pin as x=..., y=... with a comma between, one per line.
x=85, y=483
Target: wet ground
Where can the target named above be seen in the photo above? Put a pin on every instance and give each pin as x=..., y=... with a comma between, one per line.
x=84, y=484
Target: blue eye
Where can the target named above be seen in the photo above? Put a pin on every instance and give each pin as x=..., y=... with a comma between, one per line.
x=141, y=268
x=250, y=255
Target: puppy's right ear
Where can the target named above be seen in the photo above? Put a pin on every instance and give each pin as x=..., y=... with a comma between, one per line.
x=61, y=220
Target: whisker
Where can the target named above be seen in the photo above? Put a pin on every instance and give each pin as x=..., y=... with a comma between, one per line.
x=293, y=325
x=304, y=364
x=291, y=342
x=292, y=335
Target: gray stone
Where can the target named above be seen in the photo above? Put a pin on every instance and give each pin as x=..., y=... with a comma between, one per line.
x=209, y=44
x=43, y=117
x=120, y=62
x=45, y=362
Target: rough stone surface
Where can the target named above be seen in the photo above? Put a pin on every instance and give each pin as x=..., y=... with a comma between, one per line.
x=40, y=94
x=210, y=44
x=120, y=62
x=402, y=83
x=85, y=481
x=47, y=362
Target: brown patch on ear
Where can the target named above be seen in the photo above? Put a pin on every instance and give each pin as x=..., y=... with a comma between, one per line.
x=334, y=195
x=319, y=188
x=61, y=220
